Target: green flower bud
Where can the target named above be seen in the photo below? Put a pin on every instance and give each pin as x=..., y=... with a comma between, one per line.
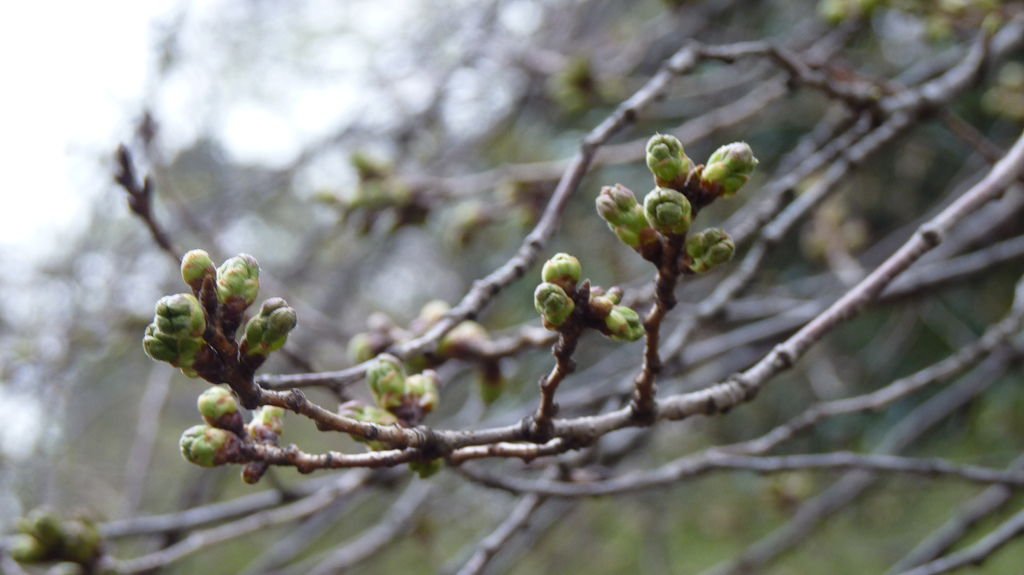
x=421, y=389
x=268, y=418
x=708, y=249
x=668, y=211
x=426, y=469
x=175, y=336
x=553, y=304
x=44, y=526
x=624, y=324
x=361, y=347
x=563, y=270
x=219, y=408
x=386, y=379
x=368, y=414
x=26, y=549
x=666, y=158
x=82, y=541
x=433, y=311
x=462, y=339
x=238, y=280
x=729, y=167
x=208, y=446
x=625, y=216
x=180, y=315
x=268, y=331
x=196, y=266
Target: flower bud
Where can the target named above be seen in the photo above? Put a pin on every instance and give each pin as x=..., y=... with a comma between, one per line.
x=729, y=167
x=624, y=324
x=666, y=159
x=268, y=331
x=553, y=304
x=360, y=347
x=44, y=526
x=368, y=414
x=26, y=549
x=196, y=266
x=432, y=312
x=708, y=249
x=625, y=216
x=180, y=315
x=386, y=379
x=208, y=446
x=219, y=408
x=426, y=469
x=462, y=339
x=175, y=336
x=238, y=281
x=82, y=541
x=268, y=419
x=421, y=389
x=668, y=211
x=563, y=270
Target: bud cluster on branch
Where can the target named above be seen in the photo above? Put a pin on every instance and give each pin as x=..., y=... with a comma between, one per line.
x=75, y=545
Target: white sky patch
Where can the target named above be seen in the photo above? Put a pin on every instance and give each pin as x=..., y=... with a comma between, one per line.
x=22, y=426
x=72, y=72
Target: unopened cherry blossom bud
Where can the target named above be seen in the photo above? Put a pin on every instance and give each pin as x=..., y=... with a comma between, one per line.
x=708, y=249
x=563, y=270
x=386, y=378
x=208, y=446
x=238, y=281
x=219, y=408
x=553, y=304
x=668, y=211
x=196, y=266
x=729, y=168
x=624, y=324
x=666, y=159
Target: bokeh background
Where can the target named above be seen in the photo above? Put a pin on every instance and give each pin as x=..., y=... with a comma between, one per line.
x=249, y=114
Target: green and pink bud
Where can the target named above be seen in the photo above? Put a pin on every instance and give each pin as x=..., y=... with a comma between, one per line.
x=619, y=208
x=708, y=249
x=624, y=324
x=238, y=282
x=387, y=380
x=553, y=304
x=268, y=331
x=207, y=446
x=668, y=211
x=667, y=160
x=463, y=339
x=196, y=266
x=421, y=391
x=267, y=423
x=176, y=334
x=563, y=270
x=219, y=408
x=729, y=168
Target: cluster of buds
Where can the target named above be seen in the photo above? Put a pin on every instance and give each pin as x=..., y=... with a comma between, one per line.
x=75, y=544
x=407, y=397
x=682, y=189
x=186, y=327
x=562, y=302
x=266, y=426
x=708, y=249
x=381, y=197
x=467, y=341
x=381, y=416
x=176, y=333
x=268, y=331
x=222, y=437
